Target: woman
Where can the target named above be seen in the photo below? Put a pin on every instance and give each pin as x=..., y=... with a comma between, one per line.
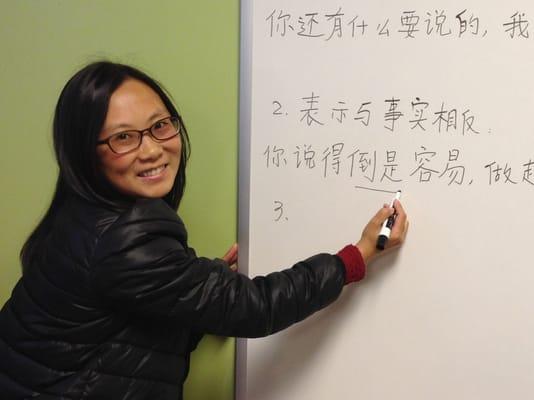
x=112, y=300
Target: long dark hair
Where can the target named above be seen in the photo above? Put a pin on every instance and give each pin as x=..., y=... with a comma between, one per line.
x=79, y=117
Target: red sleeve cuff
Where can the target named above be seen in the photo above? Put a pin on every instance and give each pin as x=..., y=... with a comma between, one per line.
x=354, y=264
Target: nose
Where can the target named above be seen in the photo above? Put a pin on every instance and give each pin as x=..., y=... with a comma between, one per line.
x=149, y=149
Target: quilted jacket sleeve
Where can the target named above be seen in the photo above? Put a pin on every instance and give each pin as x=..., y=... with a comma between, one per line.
x=142, y=265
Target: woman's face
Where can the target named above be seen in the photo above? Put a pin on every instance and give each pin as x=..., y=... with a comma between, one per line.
x=150, y=170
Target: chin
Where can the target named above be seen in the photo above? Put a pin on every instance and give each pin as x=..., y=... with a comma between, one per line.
x=156, y=194
x=148, y=190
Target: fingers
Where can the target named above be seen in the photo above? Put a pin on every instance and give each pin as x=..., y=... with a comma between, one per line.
x=231, y=255
x=400, y=227
x=367, y=243
x=384, y=213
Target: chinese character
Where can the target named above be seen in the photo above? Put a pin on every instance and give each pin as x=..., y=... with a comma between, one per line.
x=309, y=23
x=366, y=164
x=496, y=172
x=362, y=25
x=334, y=151
x=528, y=172
x=518, y=27
x=409, y=20
x=336, y=30
x=339, y=113
x=274, y=156
x=308, y=113
x=363, y=114
x=280, y=25
x=392, y=115
x=306, y=155
x=468, y=121
x=418, y=108
x=383, y=30
x=390, y=167
x=456, y=172
x=473, y=24
x=425, y=173
x=448, y=118
x=439, y=21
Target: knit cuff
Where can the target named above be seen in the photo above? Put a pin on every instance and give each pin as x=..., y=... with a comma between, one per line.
x=354, y=264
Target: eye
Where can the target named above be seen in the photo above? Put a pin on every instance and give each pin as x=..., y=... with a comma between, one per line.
x=161, y=125
x=123, y=137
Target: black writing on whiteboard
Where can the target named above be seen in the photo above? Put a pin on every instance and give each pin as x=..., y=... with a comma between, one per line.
x=416, y=114
x=338, y=24
x=279, y=211
x=383, y=166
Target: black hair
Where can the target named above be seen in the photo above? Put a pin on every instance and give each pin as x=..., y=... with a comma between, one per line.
x=78, y=120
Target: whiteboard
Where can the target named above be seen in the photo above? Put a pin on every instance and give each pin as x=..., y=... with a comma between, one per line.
x=342, y=103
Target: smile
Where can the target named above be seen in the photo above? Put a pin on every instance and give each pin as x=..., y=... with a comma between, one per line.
x=152, y=172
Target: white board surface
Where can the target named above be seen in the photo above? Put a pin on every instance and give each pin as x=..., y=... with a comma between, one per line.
x=342, y=102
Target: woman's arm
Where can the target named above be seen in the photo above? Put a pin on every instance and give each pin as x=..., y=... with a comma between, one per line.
x=142, y=265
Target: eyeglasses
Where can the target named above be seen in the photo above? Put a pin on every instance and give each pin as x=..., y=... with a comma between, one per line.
x=160, y=131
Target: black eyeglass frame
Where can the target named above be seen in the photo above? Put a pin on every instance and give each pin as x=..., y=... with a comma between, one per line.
x=175, y=121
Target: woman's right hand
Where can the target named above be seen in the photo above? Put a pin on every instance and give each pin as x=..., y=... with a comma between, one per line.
x=367, y=243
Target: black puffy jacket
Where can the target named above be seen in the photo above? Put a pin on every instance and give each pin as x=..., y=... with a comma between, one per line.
x=117, y=301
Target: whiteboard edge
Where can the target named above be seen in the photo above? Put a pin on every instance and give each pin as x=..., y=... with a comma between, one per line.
x=245, y=107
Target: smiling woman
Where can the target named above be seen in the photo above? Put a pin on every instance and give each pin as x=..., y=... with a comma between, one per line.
x=112, y=300
x=135, y=165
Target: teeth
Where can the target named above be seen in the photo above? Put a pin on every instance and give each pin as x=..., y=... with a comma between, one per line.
x=152, y=172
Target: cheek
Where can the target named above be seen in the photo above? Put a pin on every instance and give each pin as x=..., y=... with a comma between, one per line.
x=174, y=148
x=114, y=167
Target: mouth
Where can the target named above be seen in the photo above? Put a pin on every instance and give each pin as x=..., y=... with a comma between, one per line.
x=152, y=172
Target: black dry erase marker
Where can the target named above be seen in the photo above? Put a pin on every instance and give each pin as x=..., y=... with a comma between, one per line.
x=383, y=236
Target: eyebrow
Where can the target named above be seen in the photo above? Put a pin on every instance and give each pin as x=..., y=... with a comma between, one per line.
x=122, y=126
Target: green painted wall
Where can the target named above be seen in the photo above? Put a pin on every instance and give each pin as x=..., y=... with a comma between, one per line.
x=189, y=46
